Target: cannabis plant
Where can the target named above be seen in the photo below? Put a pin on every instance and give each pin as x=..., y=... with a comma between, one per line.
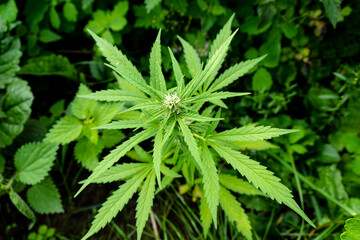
x=180, y=123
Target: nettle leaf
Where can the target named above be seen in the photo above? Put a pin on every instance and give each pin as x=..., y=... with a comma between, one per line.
x=333, y=10
x=211, y=182
x=44, y=197
x=66, y=130
x=105, y=112
x=115, y=203
x=352, y=227
x=238, y=185
x=250, y=133
x=50, y=65
x=16, y=105
x=235, y=212
x=259, y=176
x=86, y=153
x=144, y=203
x=80, y=107
x=150, y=4
x=70, y=11
x=34, y=160
x=22, y=206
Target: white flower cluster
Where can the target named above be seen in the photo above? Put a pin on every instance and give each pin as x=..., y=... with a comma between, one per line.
x=171, y=100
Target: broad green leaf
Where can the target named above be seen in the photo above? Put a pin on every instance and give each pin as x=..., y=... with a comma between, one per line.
x=8, y=11
x=16, y=107
x=22, y=206
x=333, y=10
x=289, y=29
x=114, y=95
x=144, y=203
x=205, y=216
x=234, y=72
x=66, y=130
x=122, y=124
x=117, y=21
x=34, y=160
x=156, y=76
x=123, y=66
x=262, y=80
x=54, y=18
x=352, y=227
x=80, y=107
x=116, y=154
x=272, y=47
x=150, y=4
x=50, y=65
x=44, y=197
x=259, y=176
x=250, y=133
x=221, y=37
x=235, y=213
x=109, y=138
x=105, y=112
x=190, y=142
x=192, y=59
x=211, y=182
x=70, y=11
x=47, y=36
x=122, y=172
x=86, y=153
x=115, y=203
x=179, y=76
x=238, y=185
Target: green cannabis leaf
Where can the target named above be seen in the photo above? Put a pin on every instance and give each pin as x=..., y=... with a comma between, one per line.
x=172, y=117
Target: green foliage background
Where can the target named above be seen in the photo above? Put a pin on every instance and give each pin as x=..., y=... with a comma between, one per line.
x=308, y=81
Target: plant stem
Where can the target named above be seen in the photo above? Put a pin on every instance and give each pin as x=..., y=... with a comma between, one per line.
x=313, y=186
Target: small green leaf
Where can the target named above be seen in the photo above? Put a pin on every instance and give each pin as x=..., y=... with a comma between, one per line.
x=352, y=227
x=44, y=197
x=211, y=182
x=235, y=213
x=34, y=160
x=234, y=72
x=261, y=80
x=86, y=152
x=122, y=171
x=333, y=10
x=144, y=203
x=205, y=216
x=70, y=11
x=83, y=108
x=8, y=11
x=289, y=30
x=238, y=185
x=47, y=36
x=192, y=59
x=150, y=4
x=66, y=130
x=113, y=95
x=105, y=112
x=22, y=206
x=54, y=18
x=156, y=76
